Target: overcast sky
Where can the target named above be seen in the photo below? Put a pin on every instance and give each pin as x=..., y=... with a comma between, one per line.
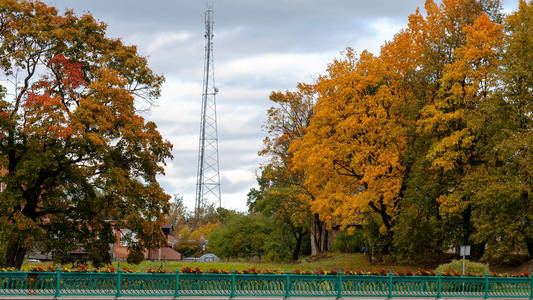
x=260, y=46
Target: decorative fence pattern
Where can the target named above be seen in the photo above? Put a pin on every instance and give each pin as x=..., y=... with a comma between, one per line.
x=281, y=285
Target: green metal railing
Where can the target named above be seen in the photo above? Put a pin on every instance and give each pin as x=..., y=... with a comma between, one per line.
x=282, y=285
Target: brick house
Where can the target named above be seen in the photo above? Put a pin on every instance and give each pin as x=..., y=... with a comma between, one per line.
x=119, y=249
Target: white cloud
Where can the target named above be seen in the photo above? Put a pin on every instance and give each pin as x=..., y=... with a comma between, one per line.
x=283, y=66
x=165, y=39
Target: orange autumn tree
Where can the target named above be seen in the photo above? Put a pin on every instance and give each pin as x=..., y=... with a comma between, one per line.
x=352, y=147
x=362, y=156
x=80, y=160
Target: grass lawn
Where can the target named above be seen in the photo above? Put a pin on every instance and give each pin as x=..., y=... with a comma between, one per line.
x=329, y=261
x=335, y=261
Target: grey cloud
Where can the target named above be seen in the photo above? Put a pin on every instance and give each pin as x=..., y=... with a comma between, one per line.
x=239, y=186
x=260, y=46
x=149, y=15
x=242, y=27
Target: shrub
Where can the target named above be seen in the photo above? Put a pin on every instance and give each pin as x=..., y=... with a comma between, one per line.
x=189, y=248
x=457, y=266
x=135, y=256
x=346, y=242
x=416, y=239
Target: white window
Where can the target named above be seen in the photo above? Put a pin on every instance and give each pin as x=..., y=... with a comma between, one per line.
x=127, y=236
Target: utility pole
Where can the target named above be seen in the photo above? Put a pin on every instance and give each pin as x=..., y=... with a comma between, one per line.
x=208, y=176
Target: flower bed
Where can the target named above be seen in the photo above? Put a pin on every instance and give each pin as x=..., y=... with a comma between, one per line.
x=196, y=270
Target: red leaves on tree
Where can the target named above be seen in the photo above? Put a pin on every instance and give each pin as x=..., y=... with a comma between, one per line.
x=71, y=73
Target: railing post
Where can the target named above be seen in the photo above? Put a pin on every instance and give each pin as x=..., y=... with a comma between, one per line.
x=390, y=284
x=232, y=284
x=486, y=285
x=58, y=282
x=177, y=286
x=531, y=287
x=439, y=284
x=339, y=285
x=118, y=282
x=287, y=284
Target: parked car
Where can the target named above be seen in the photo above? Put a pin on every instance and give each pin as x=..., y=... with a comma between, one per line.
x=209, y=257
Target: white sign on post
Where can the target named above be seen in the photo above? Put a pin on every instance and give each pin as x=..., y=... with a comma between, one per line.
x=465, y=250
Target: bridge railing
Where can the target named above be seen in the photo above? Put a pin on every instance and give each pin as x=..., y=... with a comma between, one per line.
x=250, y=285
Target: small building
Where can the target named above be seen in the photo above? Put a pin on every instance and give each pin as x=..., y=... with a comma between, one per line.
x=119, y=249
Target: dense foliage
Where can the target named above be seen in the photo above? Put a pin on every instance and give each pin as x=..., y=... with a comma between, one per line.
x=189, y=248
x=349, y=242
x=426, y=145
x=78, y=158
x=242, y=236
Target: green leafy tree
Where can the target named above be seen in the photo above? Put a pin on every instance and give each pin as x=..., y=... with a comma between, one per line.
x=79, y=158
x=502, y=185
x=189, y=248
x=242, y=236
x=281, y=202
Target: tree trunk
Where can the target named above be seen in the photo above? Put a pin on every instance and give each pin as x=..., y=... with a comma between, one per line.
x=316, y=235
x=324, y=239
x=529, y=245
x=15, y=253
x=296, y=251
x=477, y=249
x=467, y=228
x=320, y=240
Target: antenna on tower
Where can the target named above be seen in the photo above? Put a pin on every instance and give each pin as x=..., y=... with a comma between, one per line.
x=208, y=176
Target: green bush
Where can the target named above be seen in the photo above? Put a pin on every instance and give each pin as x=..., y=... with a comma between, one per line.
x=379, y=242
x=345, y=242
x=416, y=239
x=470, y=266
x=189, y=248
x=243, y=236
x=135, y=256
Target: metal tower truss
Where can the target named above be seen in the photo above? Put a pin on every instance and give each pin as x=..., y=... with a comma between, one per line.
x=208, y=176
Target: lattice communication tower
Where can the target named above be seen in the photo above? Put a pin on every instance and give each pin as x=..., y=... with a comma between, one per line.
x=208, y=176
